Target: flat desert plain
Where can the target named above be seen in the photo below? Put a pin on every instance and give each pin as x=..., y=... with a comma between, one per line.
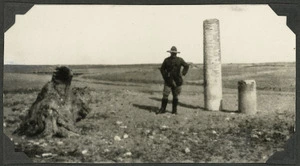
x=123, y=127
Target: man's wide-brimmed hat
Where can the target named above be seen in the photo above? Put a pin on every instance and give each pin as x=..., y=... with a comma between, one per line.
x=173, y=50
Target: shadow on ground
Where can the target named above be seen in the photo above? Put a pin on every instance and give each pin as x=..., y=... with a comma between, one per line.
x=193, y=106
x=145, y=107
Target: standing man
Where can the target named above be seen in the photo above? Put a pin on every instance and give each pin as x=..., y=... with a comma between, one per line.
x=172, y=75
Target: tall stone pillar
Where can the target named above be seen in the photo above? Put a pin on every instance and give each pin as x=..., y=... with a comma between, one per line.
x=212, y=65
x=247, y=96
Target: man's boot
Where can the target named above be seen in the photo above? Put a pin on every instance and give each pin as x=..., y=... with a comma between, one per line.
x=174, y=106
x=163, y=107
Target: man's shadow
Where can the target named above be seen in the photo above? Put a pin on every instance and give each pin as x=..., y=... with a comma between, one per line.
x=147, y=108
x=156, y=109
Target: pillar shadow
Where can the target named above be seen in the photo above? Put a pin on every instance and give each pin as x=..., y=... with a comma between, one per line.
x=230, y=111
x=193, y=106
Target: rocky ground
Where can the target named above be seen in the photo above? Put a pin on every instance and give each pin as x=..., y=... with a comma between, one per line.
x=123, y=127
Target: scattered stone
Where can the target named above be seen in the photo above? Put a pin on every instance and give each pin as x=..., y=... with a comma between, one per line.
x=119, y=122
x=117, y=138
x=60, y=143
x=254, y=136
x=268, y=139
x=84, y=152
x=36, y=143
x=195, y=133
x=164, y=127
x=37, y=156
x=147, y=131
x=227, y=119
x=151, y=137
x=106, y=150
x=214, y=132
x=125, y=136
x=47, y=155
x=187, y=150
x=4, y=124
x=44, y=144
x=123, y=127
x=182, y=132
x=127, y=154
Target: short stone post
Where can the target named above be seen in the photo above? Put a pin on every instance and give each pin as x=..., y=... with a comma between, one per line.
x=212, y=65
x=247, y=96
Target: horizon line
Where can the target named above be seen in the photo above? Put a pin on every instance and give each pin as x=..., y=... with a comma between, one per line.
x=137, y=64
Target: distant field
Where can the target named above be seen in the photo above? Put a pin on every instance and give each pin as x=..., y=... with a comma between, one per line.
x=268, y=76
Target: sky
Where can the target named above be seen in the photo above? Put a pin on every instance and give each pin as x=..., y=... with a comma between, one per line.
x=117, y=34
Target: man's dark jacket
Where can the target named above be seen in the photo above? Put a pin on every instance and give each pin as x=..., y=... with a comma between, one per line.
x=170, y=70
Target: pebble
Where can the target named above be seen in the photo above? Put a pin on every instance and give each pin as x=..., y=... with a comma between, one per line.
x=187, y=150
x=151, y=137
x=254, y=136
x=268, y=139
x=60, y=143
x=36, y=143
x=4, y=124
x=44, y=145
x=119, y=159
x=47, y=155
x=119, y=122
x=227, y=118
x=148, y=131
x=117, y=138
x=123, y=127
x=106, y=150
x=125, y=136
x=214, y=132
x=164, y=127
x=128, y=154
x=84, y=152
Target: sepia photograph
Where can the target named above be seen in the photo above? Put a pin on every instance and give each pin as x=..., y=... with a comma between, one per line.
x=149, y=83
